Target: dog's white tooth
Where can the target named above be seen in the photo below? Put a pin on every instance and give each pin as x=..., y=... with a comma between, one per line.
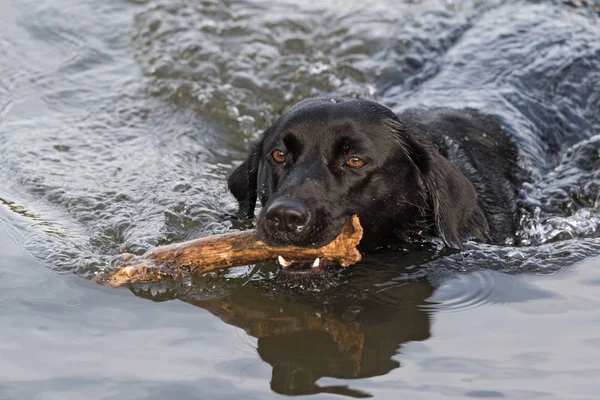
x=283, y=262
x=316, y=263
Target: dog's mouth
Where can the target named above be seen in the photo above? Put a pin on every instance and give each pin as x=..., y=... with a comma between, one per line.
x=318, y=266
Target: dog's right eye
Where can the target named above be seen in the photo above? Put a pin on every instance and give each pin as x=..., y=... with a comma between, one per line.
x=279, y=156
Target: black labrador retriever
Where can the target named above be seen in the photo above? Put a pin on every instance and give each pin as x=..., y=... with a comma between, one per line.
x=437, y=172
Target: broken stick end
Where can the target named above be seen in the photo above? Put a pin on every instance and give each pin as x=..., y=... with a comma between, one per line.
x=126, y=268
x=343, y=248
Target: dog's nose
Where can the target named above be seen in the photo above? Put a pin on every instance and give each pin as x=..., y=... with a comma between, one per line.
x=287, y=215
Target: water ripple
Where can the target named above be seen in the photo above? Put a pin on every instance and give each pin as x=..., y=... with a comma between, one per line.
x=469, y=291
x=250, y=60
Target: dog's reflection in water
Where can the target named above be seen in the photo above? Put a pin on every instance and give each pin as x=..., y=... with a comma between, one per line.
x=351, y=331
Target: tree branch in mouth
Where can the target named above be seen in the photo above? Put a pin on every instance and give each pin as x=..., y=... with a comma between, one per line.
x=225, y=251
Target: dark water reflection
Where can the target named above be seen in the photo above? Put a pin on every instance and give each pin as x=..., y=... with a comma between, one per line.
x=120, y=120
x=350, y=331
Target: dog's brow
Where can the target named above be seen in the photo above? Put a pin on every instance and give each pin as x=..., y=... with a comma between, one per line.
x=346, y=144
x=292, y=143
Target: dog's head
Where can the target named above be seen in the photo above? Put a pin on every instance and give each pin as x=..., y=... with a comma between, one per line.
x=329, y=158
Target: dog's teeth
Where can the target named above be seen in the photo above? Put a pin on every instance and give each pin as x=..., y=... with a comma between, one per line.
x=316, y=263
x=283, y=262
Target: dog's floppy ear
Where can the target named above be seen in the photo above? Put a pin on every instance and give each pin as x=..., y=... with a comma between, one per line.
x=454, y=202
x=243, y=182
x=452, y=196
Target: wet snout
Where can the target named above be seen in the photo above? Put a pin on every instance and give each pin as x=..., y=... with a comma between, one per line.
x=287, y=217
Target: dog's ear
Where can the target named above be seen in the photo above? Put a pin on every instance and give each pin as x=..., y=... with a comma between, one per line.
x=243, y=182
x=454, y=202
x=452, y=197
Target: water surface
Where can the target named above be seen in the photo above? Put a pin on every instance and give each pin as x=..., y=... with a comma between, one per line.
x=120, y=120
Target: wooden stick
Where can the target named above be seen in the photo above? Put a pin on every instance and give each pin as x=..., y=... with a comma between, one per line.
x=224, y=251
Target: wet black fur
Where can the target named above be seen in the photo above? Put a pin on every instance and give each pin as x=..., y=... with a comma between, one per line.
x=436, y=172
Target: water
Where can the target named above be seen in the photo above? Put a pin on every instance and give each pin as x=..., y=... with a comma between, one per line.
x=120, y=120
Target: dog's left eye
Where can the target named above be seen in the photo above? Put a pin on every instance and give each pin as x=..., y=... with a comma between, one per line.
x=355, y=162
